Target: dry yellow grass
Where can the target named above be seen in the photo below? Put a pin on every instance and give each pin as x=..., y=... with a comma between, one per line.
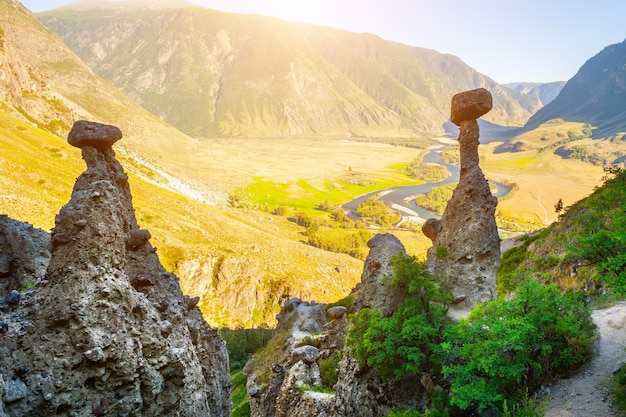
x=543, y=179
x=233, y=163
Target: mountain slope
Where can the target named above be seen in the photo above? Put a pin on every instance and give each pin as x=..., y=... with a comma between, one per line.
x=219, y=74
x=595, y=95
x=545, y=92
x=44, y=88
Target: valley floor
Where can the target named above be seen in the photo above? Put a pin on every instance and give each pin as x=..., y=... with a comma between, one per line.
x=586, y=393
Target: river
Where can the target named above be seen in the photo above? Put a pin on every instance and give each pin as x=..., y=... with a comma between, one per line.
x=399, y=198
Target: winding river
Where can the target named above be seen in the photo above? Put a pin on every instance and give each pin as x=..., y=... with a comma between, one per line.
x=399, y=197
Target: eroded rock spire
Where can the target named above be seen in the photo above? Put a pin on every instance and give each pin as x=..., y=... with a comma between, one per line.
x=108, y=332
x=466, y=245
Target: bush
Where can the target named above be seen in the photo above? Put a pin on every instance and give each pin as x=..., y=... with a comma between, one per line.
x=377, y=212
x=502, y=351
x=328, y=371
x=402, y=344
x=507, y=347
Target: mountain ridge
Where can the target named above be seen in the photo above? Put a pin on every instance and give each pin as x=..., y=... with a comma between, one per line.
x=595, y=95
x=259, y=76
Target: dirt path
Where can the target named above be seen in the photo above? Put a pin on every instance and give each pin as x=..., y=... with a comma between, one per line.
x=585, y=394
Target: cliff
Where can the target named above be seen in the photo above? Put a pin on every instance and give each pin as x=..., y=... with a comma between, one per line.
x=107, y=331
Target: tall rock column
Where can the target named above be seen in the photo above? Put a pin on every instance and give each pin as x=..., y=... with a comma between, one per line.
x=466, y=245
x=107, y=331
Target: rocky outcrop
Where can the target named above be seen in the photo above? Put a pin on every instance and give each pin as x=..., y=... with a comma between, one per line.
x=466, y=245
x=290, y=390
x=107, y=331
x=24, y=254
x=293, y=386
x=360, y=391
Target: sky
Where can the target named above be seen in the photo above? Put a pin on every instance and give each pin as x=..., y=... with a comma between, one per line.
x=507, y=40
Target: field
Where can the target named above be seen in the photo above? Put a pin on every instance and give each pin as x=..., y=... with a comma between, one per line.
x=252, y=255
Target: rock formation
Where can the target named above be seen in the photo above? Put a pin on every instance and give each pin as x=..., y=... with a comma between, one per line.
x=24, y=254
x=107, y=331
x=466, y=245
x=360, y=392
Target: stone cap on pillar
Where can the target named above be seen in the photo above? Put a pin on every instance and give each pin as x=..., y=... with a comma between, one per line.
x=470, y=105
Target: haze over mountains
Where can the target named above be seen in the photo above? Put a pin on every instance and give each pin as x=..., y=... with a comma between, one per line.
x=211, y=73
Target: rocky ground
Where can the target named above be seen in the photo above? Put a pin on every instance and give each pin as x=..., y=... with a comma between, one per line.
x=586, y=393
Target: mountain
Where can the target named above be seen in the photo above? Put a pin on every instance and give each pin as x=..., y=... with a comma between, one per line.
x=596, y=95
x=211, y=73
x=44, y=88
x=545, y=92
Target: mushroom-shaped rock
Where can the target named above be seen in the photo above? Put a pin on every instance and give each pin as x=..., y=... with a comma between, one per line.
x=97, y=135
x=470, y=105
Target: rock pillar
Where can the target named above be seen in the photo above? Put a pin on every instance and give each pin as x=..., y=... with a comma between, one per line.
x=466, y=245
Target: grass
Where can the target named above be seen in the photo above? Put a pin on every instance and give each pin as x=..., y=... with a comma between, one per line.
x=542, y=178
x=239, y=394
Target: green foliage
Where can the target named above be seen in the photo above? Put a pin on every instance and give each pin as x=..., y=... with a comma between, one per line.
x=352, y=243
x=403, y=344
x=310, y=341
x=403, y=413
x=502, y=351
x=427, y=172
x=437, y=198
x=345, y=302
x=506, y=347
x=242, y=343
x=602, y=241
x=328, y=371
x=375, y=211
x=442, y=252
x=617, y=388
x=526, y=407
x=513, y=264
x=239, y=395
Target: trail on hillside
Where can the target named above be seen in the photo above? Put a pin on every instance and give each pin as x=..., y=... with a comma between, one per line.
x=585, y=394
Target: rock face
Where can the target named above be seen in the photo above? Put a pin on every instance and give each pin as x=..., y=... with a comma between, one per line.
x=466, y=245
x=107, y=331
x=359, y=391
x=24, y=254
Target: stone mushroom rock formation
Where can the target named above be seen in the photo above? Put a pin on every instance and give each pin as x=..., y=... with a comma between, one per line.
x=466, y=245
x=107, y=331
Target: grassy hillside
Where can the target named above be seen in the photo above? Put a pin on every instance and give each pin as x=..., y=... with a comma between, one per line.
x=585, y=250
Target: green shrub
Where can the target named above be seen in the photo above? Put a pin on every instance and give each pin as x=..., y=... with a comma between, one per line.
x=375, y=211
x=403, y=344
x=328, y=371
x=602, y=240
x=506, y=347
x=526, y=407
x=502, y=351
x=617, y=387
x=345, y=302
x=242, y=343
